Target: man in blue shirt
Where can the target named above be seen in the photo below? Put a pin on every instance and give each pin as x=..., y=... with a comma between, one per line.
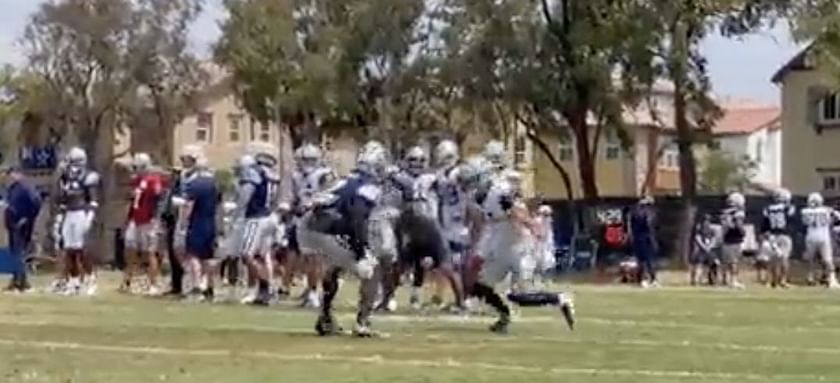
x=23, y=203
x=644, y=241
x=200, y=212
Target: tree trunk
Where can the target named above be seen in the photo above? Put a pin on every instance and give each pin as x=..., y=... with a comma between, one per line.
x=688, y=166
x=286, y=162
x=586, y=159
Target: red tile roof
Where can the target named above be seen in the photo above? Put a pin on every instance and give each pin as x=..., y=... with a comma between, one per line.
x=747, y=118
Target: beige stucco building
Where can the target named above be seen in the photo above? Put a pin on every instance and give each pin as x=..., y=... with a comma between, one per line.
x=810, y=127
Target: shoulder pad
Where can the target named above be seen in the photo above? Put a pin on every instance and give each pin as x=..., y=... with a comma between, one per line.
x=91, y=179
x=370, y=192
x=272, y=176
x=250, y=175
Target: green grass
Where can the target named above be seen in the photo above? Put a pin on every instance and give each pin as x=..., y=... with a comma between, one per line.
x=624, y=335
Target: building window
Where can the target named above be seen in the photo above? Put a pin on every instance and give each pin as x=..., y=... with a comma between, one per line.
x=829, y=183
x=759, y=151
x=265, y=132
x=520, y=153
x=613, y=150
x=670, y=159
x=204, y=128
x=566, y=150
x=830, y=109
x=235, y=127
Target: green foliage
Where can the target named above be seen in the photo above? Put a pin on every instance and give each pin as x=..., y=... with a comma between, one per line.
x=225, y=180
x=721, y=172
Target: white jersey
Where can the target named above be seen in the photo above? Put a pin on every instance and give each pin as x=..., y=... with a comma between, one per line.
x=818, y=221
x=307, y=185
x=500, y=199
x=452, y=199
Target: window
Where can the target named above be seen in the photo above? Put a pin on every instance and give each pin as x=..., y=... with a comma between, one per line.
x=613, y=150
x=204, y=127
x=829, y=183
x=520, y=155
x=234, y=127
x=830, y=109
x=566, y=150
x=265, y=132
x=759, y=151
x=670, y=159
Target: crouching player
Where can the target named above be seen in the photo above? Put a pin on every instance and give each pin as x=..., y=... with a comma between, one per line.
x=507, y=237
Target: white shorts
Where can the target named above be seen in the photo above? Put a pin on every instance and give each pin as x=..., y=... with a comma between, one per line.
x=74, y=229
x=253, y=236
x=819, y=249
x=141, y=237
x=383, y=239
x=506, y=252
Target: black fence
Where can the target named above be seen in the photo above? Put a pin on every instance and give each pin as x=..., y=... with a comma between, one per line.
x=584, y=216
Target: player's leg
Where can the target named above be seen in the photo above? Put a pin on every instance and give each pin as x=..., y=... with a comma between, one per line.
x=131, y=257
x=828, y=263
x=149, y=244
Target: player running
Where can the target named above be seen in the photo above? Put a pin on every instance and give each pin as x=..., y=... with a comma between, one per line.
x=508, y=233
x=818, y=220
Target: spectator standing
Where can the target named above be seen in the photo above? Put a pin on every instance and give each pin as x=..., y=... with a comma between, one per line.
x=644, y=241
x=23, y=203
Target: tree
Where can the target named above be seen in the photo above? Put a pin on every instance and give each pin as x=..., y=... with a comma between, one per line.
x=567, y=67
x=722, y=173
x=100, y=60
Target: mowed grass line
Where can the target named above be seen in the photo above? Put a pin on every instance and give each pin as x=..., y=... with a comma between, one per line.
x=624, y=335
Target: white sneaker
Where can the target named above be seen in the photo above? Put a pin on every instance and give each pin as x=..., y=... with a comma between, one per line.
x=58, y=286
x=737, y=285
x=313, y=299
x=250, y=296
x=392, y=305
x=645, y=284
x=73, y=287
x=154, y=291
x=654, y=284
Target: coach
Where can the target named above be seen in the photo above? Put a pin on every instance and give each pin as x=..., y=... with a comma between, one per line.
x=22, y=206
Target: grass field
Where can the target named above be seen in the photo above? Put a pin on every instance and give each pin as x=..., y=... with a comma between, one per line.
x=624, y=335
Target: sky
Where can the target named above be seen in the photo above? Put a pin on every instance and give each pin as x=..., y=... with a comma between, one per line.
x=739, y=69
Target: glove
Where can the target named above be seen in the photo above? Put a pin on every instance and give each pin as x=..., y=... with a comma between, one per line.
x=365, y=267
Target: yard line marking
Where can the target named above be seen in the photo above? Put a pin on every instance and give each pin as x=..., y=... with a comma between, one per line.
x=379, y=360
x=439, y=337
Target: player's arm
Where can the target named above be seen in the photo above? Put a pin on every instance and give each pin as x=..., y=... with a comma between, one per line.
x=91, y=185
x=186, y=203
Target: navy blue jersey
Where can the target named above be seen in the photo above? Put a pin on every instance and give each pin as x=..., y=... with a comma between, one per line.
x=777, y=218
x=259, y=205
x=202, y=192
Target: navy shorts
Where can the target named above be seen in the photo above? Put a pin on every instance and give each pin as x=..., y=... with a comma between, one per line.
x=201, y=243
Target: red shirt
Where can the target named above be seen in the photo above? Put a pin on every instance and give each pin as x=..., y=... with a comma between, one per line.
x=147, y=189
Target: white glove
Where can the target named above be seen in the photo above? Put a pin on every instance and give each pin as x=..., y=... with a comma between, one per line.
x=365, y=267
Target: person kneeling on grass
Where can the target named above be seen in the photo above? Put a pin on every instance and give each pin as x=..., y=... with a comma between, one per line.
x=507, y=236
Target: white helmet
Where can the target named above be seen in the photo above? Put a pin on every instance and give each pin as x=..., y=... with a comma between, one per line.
x=192, y=155
x=782, y=195
x=815, y=200
x=245, y=161
x=473, y=171
x=76, y=157
x=373, y=160
x=264, y=153
x=308, y=157
x=446, y=154
x=141, y=162
x=545, y=210
x=494, y=151
x=513, y=178
x=416, y=159
x=372, y=146
x=736, y=200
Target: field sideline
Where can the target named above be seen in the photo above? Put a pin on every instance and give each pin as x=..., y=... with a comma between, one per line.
x=624, y=335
